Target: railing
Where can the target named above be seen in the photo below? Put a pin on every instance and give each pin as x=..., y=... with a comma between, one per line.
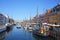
x=55, y=34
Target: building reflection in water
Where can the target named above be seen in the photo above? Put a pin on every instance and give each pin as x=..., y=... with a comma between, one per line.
x=9, y=29
x=2, y=35
x=43, y=38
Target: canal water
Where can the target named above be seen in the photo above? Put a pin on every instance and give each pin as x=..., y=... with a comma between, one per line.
x=15, y=33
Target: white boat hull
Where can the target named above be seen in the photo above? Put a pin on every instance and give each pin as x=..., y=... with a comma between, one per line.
x=2, y=28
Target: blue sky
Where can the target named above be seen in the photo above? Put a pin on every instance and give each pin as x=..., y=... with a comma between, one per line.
x=19, y=9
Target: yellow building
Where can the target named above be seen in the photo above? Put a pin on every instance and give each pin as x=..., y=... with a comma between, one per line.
x=55, y=15
x=53, y=19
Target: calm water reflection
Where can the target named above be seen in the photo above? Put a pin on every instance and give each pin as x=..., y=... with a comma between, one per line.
x=15, y=33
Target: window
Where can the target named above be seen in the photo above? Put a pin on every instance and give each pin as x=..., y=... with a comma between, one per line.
x=2, y=21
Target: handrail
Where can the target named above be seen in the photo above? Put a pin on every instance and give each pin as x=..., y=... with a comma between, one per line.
x=50, y=24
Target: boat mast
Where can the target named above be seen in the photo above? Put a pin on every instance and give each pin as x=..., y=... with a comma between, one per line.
x=37, y=15
x=30, y=19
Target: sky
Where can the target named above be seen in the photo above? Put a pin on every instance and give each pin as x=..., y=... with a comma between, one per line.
x=21, y=9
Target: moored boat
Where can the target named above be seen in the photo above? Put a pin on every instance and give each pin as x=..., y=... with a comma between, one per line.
x=3, y=22
x=42, y=31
